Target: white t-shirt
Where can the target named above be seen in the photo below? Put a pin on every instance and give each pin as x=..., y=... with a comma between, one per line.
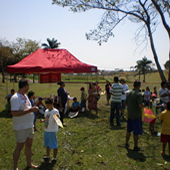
x=21, y=102
x=161, y=92
x=50, y=124
x=147, y=95
x=125, y=88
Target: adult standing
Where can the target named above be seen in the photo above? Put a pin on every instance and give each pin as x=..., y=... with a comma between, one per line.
x=163, y=94
x=123, y=102
x=23, y=118
x=63, y=98
x=92, y=98
x=134, y=109
x=116, y=91
x=107, y=89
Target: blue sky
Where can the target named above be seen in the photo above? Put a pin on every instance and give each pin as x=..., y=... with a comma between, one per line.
x=39, y=20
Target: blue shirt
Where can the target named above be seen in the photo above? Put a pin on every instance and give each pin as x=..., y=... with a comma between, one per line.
x=75, y=104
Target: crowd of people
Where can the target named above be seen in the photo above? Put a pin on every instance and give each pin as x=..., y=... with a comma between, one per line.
x=24, y=108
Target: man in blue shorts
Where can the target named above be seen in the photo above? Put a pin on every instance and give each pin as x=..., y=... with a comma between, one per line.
x=134, y=108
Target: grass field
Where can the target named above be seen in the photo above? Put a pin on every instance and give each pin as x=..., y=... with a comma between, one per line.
x=88, y=142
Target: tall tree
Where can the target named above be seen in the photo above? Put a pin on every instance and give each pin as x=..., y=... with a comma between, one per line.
x=162, y=6
x=23, y=47
x=6, y=54
x=51, y=43
x=142, y=12
x=143, y=66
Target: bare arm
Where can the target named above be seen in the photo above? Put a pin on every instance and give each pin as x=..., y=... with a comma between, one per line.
x=141, y=105
x=24, y=112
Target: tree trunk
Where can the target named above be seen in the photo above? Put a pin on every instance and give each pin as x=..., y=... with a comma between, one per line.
x=169, y=63
x=166, y=26
x=155, y=54
x=15, y=78
x=144, y=77
x=139, y=75
x=3, y=76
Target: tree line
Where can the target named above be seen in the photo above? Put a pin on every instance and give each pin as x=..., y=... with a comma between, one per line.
x=13, y=52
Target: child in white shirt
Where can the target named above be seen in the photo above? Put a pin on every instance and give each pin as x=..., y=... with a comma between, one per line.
x=50, y=138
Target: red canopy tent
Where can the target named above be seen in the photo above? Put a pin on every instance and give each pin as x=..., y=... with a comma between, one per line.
x=50, y=63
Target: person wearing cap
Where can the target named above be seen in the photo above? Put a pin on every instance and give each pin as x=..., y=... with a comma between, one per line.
x=123, y=105
x=83, y=98
x=153, y=106
x=107, y=88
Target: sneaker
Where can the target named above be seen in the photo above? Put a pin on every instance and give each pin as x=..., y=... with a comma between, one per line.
x=127, y=145
x=45, y=159
x=136, y=148
x=53, y=161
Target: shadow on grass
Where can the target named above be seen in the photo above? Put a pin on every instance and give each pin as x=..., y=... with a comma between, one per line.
x=116, y=127
x=44, y=166
x=138, y=156
x=4, y=114
x=166, y=157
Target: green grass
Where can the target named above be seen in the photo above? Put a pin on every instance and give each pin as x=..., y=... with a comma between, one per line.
x=87, y=143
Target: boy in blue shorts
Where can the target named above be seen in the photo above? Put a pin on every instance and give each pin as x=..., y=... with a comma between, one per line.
x=50, y=138
x=134, y=108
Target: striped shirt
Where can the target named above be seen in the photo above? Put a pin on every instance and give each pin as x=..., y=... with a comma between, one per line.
x=116, y=90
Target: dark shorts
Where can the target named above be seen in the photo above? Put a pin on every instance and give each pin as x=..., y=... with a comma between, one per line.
x=165, y=138
x=134, y=125
x=108, y=96
x=146, y=102
x=83, y=103
x=123, y=105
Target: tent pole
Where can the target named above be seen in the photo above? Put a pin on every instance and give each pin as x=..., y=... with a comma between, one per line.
x=6, y=84
x=13, y=84
x=87, y=81
x=96, y=77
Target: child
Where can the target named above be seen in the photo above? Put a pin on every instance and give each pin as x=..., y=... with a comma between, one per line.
x=50, y=138
x=83, y=98
x=75, y=105
x=153, y=106
x=41, y=106
x=8, y=105
x=165, y=130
